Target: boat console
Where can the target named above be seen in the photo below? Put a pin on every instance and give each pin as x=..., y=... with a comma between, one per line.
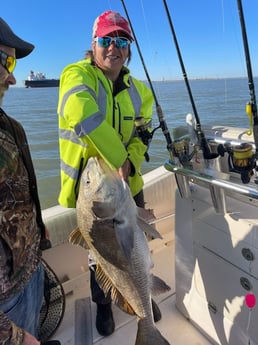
x=216, y=241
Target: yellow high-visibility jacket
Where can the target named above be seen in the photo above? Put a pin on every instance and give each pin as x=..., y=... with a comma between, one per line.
x=97, y=120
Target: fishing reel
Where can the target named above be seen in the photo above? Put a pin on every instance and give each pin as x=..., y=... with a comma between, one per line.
x=182, y=152
x=241, y=160
x=191, y=147
x=142, y=129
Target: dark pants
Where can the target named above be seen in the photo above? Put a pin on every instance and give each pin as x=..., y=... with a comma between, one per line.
x=97, y=293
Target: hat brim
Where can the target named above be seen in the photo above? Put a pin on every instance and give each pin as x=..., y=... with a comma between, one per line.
x=9, y=39
x=106, y=31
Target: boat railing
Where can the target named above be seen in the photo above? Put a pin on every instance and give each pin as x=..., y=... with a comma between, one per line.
x=221, y=183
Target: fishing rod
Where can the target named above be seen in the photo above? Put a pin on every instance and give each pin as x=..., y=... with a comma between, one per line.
x=203, y=143
x=252, y=105
x=162, y=122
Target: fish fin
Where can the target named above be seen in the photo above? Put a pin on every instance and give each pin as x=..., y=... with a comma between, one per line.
x=106, y=285
x=103, y=280
x=121, y=302
x=77, y=238
x=124, y=236
x=147, y=215
x=158, y=286
x=147, y=333
x=103, y=209
x=148, y=229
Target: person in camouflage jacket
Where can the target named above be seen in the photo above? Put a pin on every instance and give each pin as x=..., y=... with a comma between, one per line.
x=21, y=225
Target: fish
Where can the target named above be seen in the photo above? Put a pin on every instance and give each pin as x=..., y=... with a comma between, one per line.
x=115, y=232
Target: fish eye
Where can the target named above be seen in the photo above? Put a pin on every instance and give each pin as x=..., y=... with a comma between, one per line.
x=87, y=179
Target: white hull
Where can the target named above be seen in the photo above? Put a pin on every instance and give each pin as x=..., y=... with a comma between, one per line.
x=205, y=228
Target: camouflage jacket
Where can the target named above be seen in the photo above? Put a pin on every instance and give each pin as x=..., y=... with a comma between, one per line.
x=20, y=220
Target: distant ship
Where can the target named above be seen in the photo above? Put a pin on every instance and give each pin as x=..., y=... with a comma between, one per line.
x=39, y=79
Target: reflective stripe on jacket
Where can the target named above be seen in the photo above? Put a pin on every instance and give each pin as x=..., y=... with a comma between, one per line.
x=96, y=120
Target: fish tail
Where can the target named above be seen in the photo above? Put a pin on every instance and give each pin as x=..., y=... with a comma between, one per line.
x=148, y=334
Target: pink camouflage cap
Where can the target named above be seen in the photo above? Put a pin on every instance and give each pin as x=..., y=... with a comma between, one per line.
x=110, y=21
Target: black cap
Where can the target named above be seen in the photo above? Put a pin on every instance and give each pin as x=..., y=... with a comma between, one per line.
x=9, y=39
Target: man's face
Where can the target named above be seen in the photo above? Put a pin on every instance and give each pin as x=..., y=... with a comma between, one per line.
x=6, y=78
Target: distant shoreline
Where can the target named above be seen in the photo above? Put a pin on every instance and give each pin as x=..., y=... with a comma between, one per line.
x=207, y=78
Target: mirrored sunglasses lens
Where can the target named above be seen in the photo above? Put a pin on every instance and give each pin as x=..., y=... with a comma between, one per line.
x=121, y=42
x=104, y=42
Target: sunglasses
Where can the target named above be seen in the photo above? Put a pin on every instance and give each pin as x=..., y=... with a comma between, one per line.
x=104, y=42
x=7, y=61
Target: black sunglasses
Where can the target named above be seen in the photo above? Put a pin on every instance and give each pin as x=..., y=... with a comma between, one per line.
x=7, y=61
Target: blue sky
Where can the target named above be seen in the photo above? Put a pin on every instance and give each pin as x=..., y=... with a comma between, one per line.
x=208, y=34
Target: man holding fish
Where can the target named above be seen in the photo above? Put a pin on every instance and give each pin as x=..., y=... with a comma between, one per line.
x=99, y=103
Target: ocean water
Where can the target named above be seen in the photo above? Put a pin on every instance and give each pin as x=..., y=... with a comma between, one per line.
x=217, y=101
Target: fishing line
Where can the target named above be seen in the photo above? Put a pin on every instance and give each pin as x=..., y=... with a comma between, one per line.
x=203, y=143
x=159, y=111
